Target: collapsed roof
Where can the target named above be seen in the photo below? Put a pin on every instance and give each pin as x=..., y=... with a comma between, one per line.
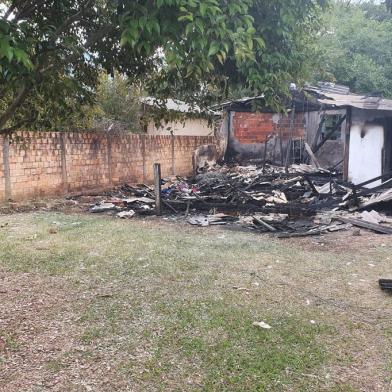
x=327, y=97
x=323, y=96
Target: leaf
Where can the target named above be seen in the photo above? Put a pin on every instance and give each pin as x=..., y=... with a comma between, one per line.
x=189, y=28
x=4, y=26
x=203, y=9
x=200, y=25
x=9, y=53
x=214, y=48
x=142, y=21
x=186, y=17
x=124, y=39
x=260, y=42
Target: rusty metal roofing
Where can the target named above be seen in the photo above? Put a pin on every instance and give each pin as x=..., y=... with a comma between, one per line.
x=354, y=100
x=328, y=95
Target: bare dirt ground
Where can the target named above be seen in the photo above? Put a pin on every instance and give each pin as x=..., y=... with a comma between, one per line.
x=91, y=303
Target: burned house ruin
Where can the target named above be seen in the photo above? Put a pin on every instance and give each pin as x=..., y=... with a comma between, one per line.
x=344, y=131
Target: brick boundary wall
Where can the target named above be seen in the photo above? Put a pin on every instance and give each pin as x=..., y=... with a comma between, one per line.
x=36, y=164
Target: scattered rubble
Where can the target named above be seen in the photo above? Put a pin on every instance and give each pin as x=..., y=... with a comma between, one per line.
x=103, y=207
x=126, y=214
x=306, y=200
x=262, y=324
x=385, y=284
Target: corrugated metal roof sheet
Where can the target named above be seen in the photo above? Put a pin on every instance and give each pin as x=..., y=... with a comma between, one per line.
x=332, y=96
x=236, y=101
x=354, y=100
x=333, y=88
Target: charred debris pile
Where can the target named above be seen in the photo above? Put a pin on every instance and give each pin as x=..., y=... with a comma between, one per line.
x=301, y=201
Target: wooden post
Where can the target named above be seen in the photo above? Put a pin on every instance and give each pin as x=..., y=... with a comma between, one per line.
x=265, y=151
x=290, y=142
x=346, y=155
x=313, y=159
x=157, y=188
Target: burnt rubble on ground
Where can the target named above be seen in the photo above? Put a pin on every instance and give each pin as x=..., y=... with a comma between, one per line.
x=302, y=201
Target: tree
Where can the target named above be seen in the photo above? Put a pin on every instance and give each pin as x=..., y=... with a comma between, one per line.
x=51, y=52
x=257, y=45
x=116, y=106
x=356, y=47
x=117, y=100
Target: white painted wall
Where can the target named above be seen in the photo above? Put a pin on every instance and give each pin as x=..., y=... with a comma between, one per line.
x=192, y=127
x=365, y=157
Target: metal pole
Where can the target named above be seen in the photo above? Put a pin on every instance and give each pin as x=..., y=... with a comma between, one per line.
x=157, y=188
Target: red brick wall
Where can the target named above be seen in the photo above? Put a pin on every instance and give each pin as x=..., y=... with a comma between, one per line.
x=252, y=128
x=50, y=163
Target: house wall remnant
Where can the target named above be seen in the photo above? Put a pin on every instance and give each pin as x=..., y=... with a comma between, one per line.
x=366, y=146
x=370, y=145
x=248, y=132
x=252, y=128
x=204, y=156
x=332, y=152
x=56, y=163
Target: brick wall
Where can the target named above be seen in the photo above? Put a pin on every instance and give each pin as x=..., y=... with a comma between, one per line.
x=35, y=164
x=252, y=128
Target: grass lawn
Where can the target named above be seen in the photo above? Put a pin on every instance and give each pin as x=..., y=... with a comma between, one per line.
x=90, y=303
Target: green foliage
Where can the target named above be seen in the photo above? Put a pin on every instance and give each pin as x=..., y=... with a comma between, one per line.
x=51, y=53
x=117, y=100
x=356, y=47
x=208, y=47
x=46, y=75
x=115, y=105
x=13, y=48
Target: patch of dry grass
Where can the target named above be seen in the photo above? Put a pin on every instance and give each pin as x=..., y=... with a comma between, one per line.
x=106, y=305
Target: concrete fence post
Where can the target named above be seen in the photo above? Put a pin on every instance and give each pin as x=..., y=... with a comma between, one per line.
x=143, y=137
x=109, y=158
x=63, y=151
x=6, y=164
x=173, y=157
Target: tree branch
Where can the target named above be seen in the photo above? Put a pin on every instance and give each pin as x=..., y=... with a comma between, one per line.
x=43, y=65
x=20, y=98
x=27, y=10
x=16, y=126
x=73, y=18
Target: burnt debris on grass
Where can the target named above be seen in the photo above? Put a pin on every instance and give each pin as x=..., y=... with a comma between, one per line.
x=302, y=201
